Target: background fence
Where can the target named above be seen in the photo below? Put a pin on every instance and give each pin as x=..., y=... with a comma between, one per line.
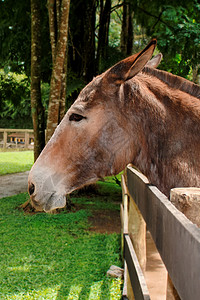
x=15, y=138
x=177, y=238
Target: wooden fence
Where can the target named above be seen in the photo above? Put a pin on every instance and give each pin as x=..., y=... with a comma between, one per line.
x=176, y=238
x=26, y=137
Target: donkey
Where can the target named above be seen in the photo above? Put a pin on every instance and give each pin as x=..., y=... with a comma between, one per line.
x=132, y=113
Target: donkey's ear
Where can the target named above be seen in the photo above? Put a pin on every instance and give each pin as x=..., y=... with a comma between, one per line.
x=155, y=61
x=130, y=66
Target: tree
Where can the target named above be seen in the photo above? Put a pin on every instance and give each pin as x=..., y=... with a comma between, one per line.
x=37, y=108
x=127, y=29
x=82, y=39
x=58, y=25
x=104, y=22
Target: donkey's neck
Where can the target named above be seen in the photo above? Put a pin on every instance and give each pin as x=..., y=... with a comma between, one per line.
x=168, y=127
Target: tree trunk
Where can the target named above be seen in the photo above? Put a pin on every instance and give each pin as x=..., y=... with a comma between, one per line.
x=82, y=39
x=195, y=74
x=104, y=22
x=89, y=41
x=127, y=29
x=58, y=24
x=36, y=103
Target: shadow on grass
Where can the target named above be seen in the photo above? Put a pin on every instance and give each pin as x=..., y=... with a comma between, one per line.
x=107, y=288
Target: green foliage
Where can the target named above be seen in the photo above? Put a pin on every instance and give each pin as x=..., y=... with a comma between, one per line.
x=176, y=27
x=115, y=27
x=54, y=256
x=15, y=106
x=14, y=162
x=15, y=38
x=181, y=39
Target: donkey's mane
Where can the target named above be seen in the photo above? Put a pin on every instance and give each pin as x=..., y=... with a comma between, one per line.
x=174, y=81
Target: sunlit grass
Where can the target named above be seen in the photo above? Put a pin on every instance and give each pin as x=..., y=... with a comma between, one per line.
x=55, y=256
x=14, y=162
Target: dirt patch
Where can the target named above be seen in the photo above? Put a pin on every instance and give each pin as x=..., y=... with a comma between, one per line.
x=13, y=184
x=105, y=221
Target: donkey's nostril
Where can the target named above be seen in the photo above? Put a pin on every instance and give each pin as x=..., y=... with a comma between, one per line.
x=31, y=189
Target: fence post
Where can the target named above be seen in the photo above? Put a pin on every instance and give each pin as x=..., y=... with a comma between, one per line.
x=26, y=139
x=137, y=232
x=124, y=221
x=5, y=132
x=135, y=226
x=187, y=200
x=5, y=136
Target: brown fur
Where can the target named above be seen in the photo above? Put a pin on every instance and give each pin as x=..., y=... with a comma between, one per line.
x=149, y=118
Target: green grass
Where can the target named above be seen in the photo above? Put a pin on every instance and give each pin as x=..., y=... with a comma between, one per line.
x=13, y=162
x=46, y=256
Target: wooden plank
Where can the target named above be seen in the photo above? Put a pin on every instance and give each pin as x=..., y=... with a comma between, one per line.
x=123, y=185
x=125, y=204
x=176, y=238
x=124, y=292
x=138, y=283
x=26, y=139
x=125, y=214
x=16, y=130
x=134, y=225
x=5, y=136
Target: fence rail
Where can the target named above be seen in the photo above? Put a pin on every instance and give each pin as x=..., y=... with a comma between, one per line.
x=137, y=279
x=176, y=238
x=5, y=132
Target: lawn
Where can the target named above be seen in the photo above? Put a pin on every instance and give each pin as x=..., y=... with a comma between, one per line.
x=46, y=256
x=13, y=162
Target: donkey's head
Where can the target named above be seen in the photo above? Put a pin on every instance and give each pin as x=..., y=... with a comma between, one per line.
x=92, y=141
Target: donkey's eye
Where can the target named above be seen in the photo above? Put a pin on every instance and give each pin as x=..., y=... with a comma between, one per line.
x=76, y=117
